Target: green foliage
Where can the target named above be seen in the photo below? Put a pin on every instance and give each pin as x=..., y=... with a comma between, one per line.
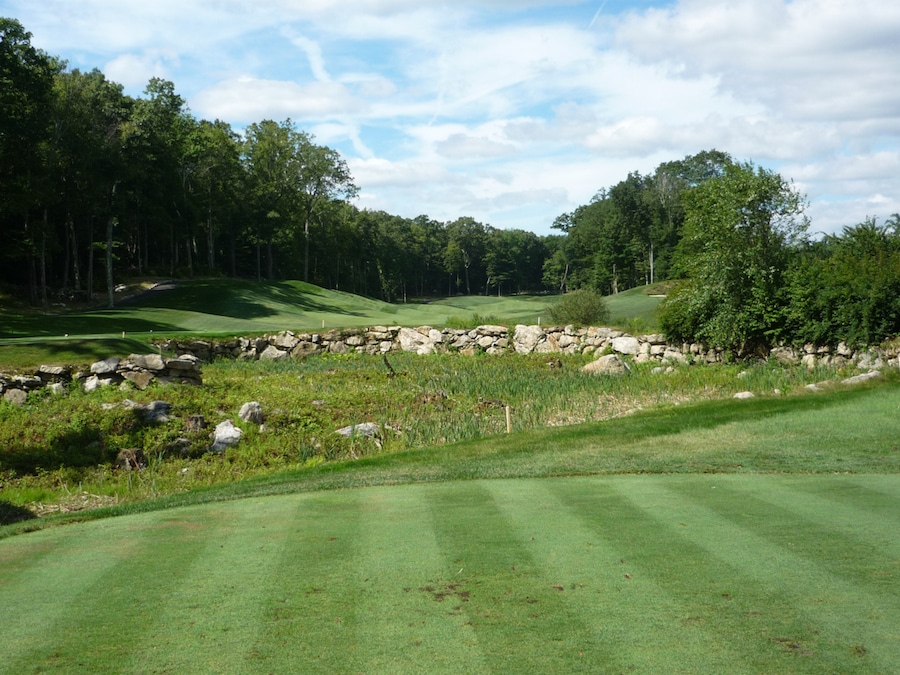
x=847, y=288
x=583, y=307
x=740, y=233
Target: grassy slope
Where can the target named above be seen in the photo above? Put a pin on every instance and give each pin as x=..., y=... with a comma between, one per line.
x=233, y=307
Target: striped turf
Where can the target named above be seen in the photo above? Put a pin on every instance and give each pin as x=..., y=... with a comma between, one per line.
x=647, y=574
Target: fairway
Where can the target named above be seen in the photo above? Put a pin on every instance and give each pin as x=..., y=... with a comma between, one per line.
x=647, y=574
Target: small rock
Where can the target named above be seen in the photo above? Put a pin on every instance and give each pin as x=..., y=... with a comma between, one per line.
x=131, y=459
x=105, y=367
x=252, y=412
x=871, y=375
x=366, y=429
x=744, y=394
x=611, y=364
x=226, y=436
x=16, y=397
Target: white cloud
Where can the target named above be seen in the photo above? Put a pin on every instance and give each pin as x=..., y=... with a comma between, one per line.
x=246, y=99
x=481, y=105
x=136, y=70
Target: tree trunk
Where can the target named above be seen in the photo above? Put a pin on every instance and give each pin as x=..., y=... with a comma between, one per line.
x=45, y=303
x=110, y=289
x=76, y=268
x=306, y=250
x=90, y=270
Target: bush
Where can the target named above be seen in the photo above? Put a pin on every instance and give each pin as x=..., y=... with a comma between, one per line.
x=582, y=308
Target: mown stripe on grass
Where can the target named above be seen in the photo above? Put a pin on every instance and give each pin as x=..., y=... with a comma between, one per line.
x=521, y=623
x=836, y=620
x=821, y=519
x=411, y=613
x=210, y=617
x=599, y=579
x=97, y=592
x=311, y=603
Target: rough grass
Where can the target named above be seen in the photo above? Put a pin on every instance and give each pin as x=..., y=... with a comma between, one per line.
x=55, y=450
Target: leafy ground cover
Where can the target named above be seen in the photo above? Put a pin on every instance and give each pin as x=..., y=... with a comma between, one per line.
x=56, y=449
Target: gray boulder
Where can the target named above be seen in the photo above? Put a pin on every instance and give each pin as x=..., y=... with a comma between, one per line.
x=611, y=364
x=226, y=436
x=252, y=412
x=526, y=338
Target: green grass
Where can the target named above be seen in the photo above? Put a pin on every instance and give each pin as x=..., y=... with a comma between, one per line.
x=646, y=574
x=227, y=307
x=685, y=537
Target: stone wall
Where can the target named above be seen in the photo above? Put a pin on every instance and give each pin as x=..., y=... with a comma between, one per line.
x=140, y=370
x=136, y=371
x=499, y=339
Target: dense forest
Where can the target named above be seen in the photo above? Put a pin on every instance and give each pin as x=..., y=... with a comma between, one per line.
x=97, y=186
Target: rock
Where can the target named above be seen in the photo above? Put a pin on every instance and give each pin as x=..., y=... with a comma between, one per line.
x=338, y=347
x=304, y=349
x=865, y=377
x=366, y=429
x=809, y=360
x=57, y=388
x=139, y=378
x=744, y=394
x=626, y=345
x=785, y=355
x=16, y=397
x=195, y=423
x=412, y=340
x=184, y=362
x=252, y=412
x=105, y=367
x=152, y=362
x=94, y=382
x=156, y=412
x=611, y=364
x=53, y=373
x=526, y=338
x=272, y=353
x=131, y=459
x=285, y=340
x=226, y=436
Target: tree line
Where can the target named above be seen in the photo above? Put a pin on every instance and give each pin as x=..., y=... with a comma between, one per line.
x=96, y=185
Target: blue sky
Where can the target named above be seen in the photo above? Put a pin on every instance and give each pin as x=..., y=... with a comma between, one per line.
x=515, y=111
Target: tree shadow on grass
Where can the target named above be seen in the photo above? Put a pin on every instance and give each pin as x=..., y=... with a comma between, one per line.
x=11, y=513
x=240, y=299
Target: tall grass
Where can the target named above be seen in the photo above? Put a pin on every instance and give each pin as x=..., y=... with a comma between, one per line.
x=55, y=447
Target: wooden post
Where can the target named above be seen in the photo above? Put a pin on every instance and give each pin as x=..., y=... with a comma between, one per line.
x=508, y=420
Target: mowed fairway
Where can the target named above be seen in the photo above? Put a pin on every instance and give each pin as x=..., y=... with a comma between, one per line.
x=650, y=574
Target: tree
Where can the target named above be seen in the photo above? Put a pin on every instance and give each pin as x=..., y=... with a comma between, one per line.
x=322, y=176
x=741, y=230
x=847, y=287
x=26, y=84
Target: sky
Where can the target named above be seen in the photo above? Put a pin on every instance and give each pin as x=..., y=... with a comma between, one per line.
x=516, y=111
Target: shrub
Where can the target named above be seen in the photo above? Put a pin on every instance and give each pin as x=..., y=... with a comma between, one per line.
x=583, y=308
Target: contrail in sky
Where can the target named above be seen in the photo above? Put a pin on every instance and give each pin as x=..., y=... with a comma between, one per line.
x=594, y=20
